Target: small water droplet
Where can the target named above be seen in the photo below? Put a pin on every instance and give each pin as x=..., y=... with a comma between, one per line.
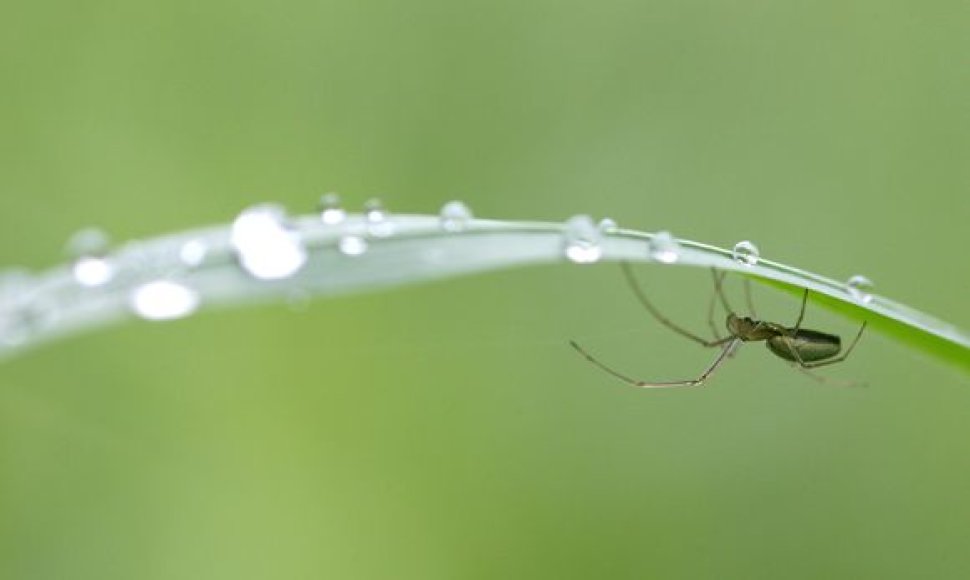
x=266, y=244
x=860, y=288
x=607, y=225
x=379, y=223
x=331, y=212
x=582, y=240
x=352, y=245
x=455, y=216
x=88, y=242
x=91, y=268
x=746, y=253
x=193, y=253
x=664, y=248
x=163, y=300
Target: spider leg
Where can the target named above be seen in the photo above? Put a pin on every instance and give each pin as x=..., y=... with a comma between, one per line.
x=747, y=297
x=641, y=296
x=663, y=385
x=718, y=278
x=801, y=313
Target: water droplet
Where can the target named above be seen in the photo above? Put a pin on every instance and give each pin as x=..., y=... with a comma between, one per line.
x=860, y=288
x=193, y=253
x=266, y=245
x=746, y=253
x=607, y=225
x=664, y=248
x=582, y=240
x=88, y=242
x=331, y=212
x=91, y=268
x=378, y=220
x=163, y=300
x=352, y=245
x=455, y=216
x=92, y=272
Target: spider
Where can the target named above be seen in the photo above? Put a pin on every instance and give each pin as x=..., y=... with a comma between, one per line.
x=806, y=349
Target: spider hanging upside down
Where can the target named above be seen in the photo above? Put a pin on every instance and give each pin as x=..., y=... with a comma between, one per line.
x=806, y=349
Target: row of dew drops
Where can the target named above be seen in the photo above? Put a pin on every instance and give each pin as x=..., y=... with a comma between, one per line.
x=584, y=239
x=268, y=247
x=264, y=241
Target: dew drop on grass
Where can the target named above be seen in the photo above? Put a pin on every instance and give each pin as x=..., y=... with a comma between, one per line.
x=455, y=216
x=331, y=212
x=352, y=245
x=745, y=252
x=664, y=248
x=193, y=253
x=607, y=225
x=267, y=246
x=582, y=240
x=379, y=223
x=860, y=288
x=89, y=248
x=163, y=300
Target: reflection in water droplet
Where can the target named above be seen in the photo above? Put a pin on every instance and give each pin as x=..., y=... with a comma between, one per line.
x=193, y=253
x=89, y=248
x=163, y=300
x=746, y=253
x=378, y=220
x=582, y=240
x=331, y=212
x=455, y=216
x=266, y=245
x=352, y=245
x=664, y=248
x=607, y=225
x=860, y=288
x=92, y=272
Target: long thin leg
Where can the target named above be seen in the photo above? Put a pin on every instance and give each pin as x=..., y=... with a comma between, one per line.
x=848, y=351
x=801, y=313
x=829, y=380
x=718, y=278
x=638, y=292
x=664, y=385
x=747, y=297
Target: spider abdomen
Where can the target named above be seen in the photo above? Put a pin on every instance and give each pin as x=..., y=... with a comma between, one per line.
x=811, y=345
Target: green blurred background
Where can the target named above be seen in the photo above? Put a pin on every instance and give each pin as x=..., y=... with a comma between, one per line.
x=446, y=430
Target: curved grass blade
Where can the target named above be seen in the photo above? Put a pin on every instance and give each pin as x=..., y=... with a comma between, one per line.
x=168, y=277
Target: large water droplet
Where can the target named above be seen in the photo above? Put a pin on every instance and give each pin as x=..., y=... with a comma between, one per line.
x=193, y=253
x=91, y=268
x=746, y=253
x=379, y=222
x=455, y=216
x=860, y=288
x=664, y=248
x=582, y=240
x=163, y=300
x=266, y=245
x=331, y=212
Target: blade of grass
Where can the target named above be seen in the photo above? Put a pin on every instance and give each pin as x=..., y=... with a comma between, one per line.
x=359, y=254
